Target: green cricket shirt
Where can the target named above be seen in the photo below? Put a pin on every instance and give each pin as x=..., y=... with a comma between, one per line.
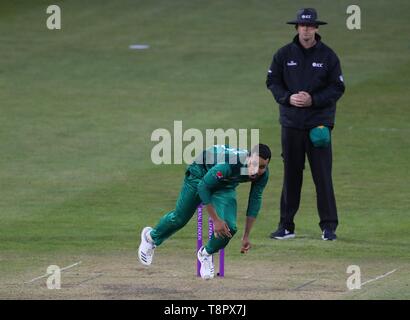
x=223, y=167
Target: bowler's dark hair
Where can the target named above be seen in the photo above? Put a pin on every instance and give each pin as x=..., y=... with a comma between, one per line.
x=262, y=150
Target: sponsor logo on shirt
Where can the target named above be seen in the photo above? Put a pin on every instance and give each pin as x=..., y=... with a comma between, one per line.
x=292, y=63
x=219, y=175
x=317, y=64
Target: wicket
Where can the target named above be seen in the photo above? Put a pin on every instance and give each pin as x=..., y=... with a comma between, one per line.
x=221, y=272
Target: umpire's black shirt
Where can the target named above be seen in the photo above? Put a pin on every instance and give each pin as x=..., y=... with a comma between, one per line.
x=315, y=70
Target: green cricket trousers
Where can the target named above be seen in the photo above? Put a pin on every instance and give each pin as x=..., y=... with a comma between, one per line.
x=223, y=200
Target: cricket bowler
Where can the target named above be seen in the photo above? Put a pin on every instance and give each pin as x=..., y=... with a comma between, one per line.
x=212, y=180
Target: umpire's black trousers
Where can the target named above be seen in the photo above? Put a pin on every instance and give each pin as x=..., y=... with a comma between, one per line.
x=295, y=144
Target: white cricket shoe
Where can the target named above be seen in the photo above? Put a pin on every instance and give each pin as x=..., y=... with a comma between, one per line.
x=207, y=265
x=146, y=248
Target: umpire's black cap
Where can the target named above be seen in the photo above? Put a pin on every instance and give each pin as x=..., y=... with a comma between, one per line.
x=307, y=16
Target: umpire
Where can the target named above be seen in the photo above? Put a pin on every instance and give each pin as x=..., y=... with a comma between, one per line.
x=306, y=80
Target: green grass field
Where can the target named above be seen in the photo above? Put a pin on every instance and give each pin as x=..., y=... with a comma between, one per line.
x=78, y=108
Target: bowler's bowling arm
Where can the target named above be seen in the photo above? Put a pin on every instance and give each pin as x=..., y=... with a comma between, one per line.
x=248, y=226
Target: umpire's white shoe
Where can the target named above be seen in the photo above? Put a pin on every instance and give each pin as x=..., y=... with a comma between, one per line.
x=146, y=248
x=207, y=264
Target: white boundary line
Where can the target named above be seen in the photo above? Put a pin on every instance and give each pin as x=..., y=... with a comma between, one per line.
x=379, y=277
x=47, y=274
